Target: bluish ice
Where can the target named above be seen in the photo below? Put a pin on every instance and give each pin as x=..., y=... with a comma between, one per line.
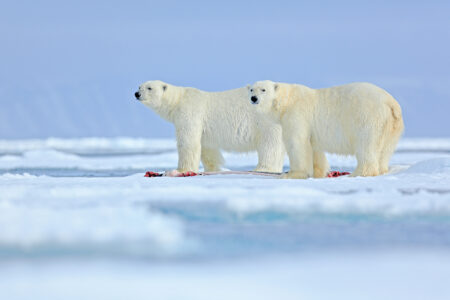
x=78, y=215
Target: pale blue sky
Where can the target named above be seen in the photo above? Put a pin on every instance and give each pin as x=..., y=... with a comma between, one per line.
x=70, y=68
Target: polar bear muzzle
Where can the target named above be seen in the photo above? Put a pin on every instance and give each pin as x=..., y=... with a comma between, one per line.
x=254, y=99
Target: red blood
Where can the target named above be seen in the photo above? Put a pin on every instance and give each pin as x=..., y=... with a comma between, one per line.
x=337, y=174
x=152, y=174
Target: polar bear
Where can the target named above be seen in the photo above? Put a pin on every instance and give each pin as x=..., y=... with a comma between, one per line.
x=207, y=122
x=358, y=119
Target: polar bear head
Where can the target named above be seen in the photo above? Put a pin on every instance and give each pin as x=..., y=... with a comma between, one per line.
x=263, y=94
x=154, y=94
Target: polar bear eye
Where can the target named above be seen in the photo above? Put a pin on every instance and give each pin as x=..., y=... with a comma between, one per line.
x=251, y=90
x=149, y=88
x=263, y=90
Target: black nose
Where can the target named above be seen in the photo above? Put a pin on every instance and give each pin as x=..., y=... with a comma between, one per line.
x=254, y=99
x=137, y=95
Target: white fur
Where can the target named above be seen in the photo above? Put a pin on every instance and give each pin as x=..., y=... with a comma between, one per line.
x=208, y=122
x=358, y=119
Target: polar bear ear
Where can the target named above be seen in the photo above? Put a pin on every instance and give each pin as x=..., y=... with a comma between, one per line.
x=275, y=87
x=164, y=87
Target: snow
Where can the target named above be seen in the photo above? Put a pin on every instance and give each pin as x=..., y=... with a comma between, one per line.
x=78, y=215
x=106, y=229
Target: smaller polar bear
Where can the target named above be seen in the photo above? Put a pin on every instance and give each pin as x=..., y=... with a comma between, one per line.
x=358, y=119
x=207, y=122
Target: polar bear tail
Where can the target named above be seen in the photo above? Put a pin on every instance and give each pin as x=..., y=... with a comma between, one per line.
x=396, y=112
x=392, y=132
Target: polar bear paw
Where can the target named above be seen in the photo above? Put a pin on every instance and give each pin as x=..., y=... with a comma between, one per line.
x=266, y=170
x=172, y=173
x=320, y=173
x=295, y=175
x=175, y=173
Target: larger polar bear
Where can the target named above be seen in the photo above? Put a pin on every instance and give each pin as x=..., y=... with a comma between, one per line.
x=358, y=119
x=207, y=122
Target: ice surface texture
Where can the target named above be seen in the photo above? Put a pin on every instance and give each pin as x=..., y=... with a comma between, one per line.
x=66, y=203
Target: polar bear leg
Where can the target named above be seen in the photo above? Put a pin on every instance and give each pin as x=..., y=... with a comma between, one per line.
x=367, y=166
x=384, y=162
x=270, y=160
x=321, y=166
x=212, y=159
x=300, y=154
x=386, y=153
x=387, y=147
x=368, y=159
x=189, y=149
x=271, y=152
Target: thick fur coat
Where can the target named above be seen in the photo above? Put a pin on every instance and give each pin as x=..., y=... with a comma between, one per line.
x=208, y=122
x=358, y=119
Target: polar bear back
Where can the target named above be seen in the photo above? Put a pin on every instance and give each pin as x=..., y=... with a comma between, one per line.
x=344, y=114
